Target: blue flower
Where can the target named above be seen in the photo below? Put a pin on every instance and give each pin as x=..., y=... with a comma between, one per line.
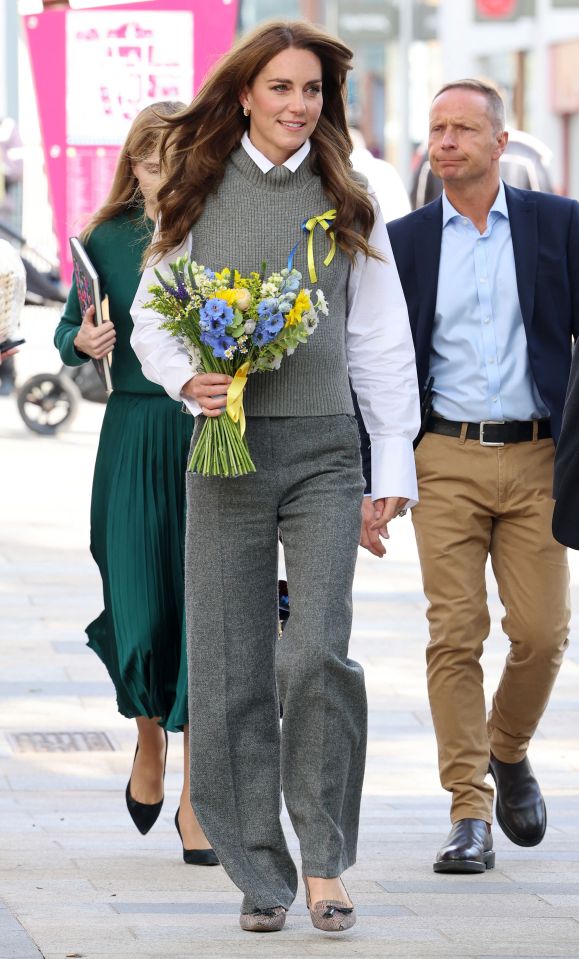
x=215, y=315
x=260, y=336
x=219, y=343
x=214, y=307
x=292, y=283
x=265, y=331
x=274, y=323
x=267, y=307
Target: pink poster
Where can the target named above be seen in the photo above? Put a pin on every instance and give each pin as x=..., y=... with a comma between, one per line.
x=94, y=69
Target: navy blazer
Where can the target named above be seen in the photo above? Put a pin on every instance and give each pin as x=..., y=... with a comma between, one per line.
x=545, y=235
x=566, y=488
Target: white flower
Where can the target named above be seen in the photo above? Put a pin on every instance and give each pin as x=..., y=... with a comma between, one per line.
x=290, y=350
x=249, y=327
x=311, y=321
x=269, y=290
x=322, y=303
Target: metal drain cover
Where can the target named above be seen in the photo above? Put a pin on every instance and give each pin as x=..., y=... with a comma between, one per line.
x=60, y=742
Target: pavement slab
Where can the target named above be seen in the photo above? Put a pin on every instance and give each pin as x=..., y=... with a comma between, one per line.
x=76, y=878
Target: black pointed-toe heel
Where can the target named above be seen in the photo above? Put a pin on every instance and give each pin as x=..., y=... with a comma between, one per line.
x=145, y=815
x=196, y=857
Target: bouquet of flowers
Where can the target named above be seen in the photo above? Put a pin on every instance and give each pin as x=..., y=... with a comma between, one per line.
x=235, y=325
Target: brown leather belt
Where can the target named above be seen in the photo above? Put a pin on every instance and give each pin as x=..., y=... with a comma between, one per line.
x=491, y=432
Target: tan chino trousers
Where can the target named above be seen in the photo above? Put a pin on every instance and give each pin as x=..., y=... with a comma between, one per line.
x=477, y=501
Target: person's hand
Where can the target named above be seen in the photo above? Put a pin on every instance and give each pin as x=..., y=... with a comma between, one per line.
x=8, y=353
x=95, y=341
x=375, y=518
x=209, y=390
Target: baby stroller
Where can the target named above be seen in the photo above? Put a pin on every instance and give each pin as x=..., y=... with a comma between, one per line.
x=49, y=402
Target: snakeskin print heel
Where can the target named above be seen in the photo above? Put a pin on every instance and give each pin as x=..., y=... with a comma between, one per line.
x=330, y=915
x=263, y=920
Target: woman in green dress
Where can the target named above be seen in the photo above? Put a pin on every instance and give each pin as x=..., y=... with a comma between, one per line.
x=138, y=496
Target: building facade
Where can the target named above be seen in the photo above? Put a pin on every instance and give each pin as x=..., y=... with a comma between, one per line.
x=404, y=49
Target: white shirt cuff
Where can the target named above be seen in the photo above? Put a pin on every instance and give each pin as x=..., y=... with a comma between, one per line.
x=393, y=469
x=191, y=405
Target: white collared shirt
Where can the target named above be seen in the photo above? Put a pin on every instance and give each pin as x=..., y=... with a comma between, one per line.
x=380, y=352
x=265, y=164
x=479, y=356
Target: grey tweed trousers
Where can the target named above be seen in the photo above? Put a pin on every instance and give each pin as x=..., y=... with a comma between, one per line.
x=308, y=485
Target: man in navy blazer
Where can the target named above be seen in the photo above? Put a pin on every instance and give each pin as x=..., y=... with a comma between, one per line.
x=491, y=278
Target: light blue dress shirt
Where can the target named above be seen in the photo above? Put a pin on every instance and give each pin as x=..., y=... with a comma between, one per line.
x=479, y=358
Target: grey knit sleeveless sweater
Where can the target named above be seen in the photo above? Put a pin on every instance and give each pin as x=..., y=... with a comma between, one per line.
x=257, y=217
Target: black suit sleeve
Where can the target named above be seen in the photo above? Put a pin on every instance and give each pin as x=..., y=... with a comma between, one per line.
x=364, y=445
x=566, y=485
x=573, y=261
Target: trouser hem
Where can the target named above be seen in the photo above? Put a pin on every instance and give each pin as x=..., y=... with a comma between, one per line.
x=503, y=752
x=331, y=870
x=471, y=812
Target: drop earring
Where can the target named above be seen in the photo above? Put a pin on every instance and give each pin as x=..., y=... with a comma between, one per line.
x=245, y=112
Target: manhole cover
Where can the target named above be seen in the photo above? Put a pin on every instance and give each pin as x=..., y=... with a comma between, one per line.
x=60, y=742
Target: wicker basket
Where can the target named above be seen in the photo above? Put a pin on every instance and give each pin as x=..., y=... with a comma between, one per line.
x=12, y=290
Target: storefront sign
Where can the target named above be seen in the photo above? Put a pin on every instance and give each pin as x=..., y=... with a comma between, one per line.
x=95, y=69
x=486, y=10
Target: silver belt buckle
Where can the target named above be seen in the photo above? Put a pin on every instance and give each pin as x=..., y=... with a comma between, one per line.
x=482, y=425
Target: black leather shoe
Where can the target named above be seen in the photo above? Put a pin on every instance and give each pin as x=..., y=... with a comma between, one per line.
x=196, y=857
x=521, y=811
x=144, y=815
x=468, y=848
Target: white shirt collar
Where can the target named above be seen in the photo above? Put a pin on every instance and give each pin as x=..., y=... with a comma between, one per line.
x=266, y=165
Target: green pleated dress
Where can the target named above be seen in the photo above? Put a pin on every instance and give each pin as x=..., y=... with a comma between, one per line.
x=138, y=499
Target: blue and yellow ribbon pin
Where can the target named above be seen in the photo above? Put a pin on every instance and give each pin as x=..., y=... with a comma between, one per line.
x=308, y=226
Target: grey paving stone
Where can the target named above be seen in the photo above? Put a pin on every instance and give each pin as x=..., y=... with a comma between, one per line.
x=232, y=908
x=49, y=689
x=15, y=943
x=70, y=647
x=454, y=886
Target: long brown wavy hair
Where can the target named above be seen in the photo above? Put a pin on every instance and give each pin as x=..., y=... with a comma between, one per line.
x=197, y=143
x=142, y=140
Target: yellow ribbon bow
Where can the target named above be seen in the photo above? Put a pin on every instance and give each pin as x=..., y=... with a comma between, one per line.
x=234, y=405
x=324, y=221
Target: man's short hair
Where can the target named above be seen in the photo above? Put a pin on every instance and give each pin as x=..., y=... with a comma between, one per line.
x=496, y=107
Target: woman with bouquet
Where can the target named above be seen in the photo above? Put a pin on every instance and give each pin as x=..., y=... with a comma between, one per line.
x=261, y=152
x=138, y=496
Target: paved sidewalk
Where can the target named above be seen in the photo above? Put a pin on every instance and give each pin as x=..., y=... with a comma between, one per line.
x=77, y=880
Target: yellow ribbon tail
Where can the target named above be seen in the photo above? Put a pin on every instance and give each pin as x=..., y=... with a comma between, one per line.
x=324, y=221
x=234, y=407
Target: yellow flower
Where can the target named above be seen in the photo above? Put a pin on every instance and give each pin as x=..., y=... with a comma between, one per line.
x=230, y=296
x=301, y=305
x=239, y=298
